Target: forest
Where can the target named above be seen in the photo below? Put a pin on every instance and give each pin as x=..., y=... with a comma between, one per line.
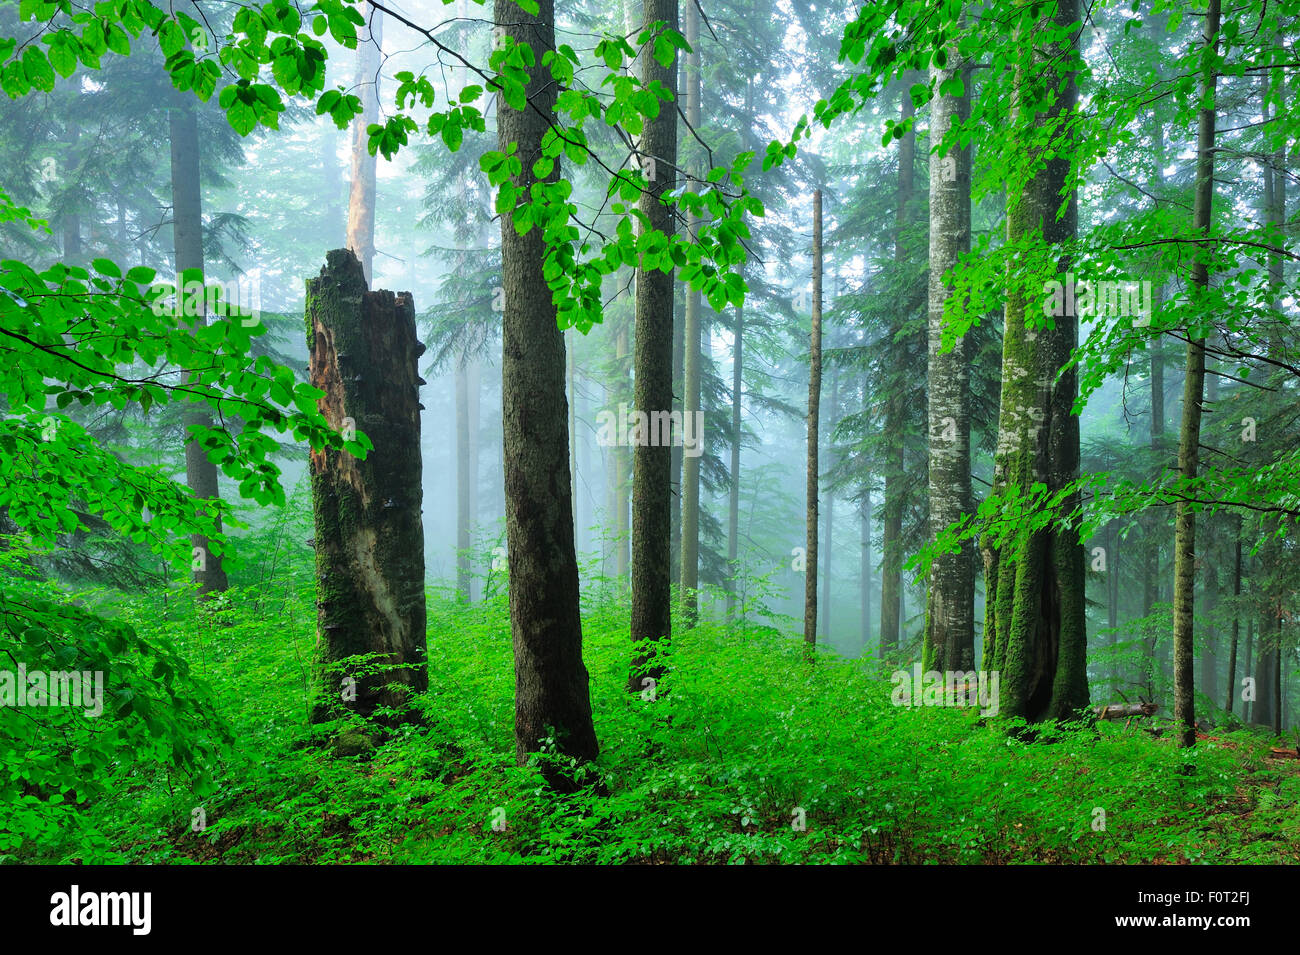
x=648, y=432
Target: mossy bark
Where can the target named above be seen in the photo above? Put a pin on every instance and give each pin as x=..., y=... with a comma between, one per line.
x=369, y=532
x=1035, y=628
x=552, y=694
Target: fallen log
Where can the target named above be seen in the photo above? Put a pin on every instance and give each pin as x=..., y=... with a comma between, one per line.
x=1119, y=711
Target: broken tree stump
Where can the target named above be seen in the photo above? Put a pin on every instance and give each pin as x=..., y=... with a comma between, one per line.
x=369, y=533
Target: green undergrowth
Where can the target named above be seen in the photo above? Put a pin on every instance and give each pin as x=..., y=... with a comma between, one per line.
x=747, y=754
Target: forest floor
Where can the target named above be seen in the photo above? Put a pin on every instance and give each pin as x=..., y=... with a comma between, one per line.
x=748, y=755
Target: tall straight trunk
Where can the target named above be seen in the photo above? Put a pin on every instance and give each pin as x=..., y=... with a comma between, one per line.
x=1231, y=693
x=552, y=697
x=1209, y=661
x=187, y=233
x=733, y=494
x=1189, y=434
x=463, y=480
x=896, y=410
x=1277, y=679
x=690, y=558
x=361, y=195
x=620, y=467
x=828, y=539
x=950, y=599
x=1265, y=658
x=369, y=533
x=814, y=413
x=864, y=581
x=1035, y=630
x=1248, y=706
x=653, y=380
x=571, y=390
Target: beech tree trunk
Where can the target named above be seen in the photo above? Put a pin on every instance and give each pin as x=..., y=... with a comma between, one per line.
x=369, y=533
x=814, y=412
x=1189, y=434
x=733, y=494
x=1035, y=631
x=950, y=599
x=552, y=696
x=187, y=233
x=653, y=381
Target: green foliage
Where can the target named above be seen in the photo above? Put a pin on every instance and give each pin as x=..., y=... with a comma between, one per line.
x=740, y=735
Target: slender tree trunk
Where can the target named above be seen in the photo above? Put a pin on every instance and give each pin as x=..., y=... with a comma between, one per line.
x=864, y=582
x=1035, y=631
x=653, y=381
x=463, y=478
x=733, y=494
x=690, y=566
x=1231, y=692
x=622, y=480
x=950, y=600
x=1189, y=435
x=361, y=197
x=552, y=697
x=828, y=540
x=369, y=533
x=814, y=409
x=896, y=410
x=187, y=231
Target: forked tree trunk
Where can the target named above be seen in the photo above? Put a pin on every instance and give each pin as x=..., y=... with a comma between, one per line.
x=369, y=533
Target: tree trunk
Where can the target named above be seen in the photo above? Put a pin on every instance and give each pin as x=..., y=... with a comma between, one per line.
x=1231, y=693
x=462, y=483
x=653, y=381
x=552, y=697
x=690, y=557
x=896, y=412
x=361, y=196
x=733, y=494
x=814, y=409
x=1189, y=434
x=950, y=599
x=187, y=231
x=369, y=535
x=864, y=583
x=828, y=540
x=1035, y=631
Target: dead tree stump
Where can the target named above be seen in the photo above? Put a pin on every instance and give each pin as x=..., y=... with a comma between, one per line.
x=369, y=533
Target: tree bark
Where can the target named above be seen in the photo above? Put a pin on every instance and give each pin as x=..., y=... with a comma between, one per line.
x=369, y=534
x=891, y=584
x=187, y=232
x=1189, y=434
x=950, y=599
x=552, y=696
x=653, y=381
x=361, y=195
x=1230, y=695
x=690, y=555
x=733, y=494
x=1035, y=631
x=814, y=411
